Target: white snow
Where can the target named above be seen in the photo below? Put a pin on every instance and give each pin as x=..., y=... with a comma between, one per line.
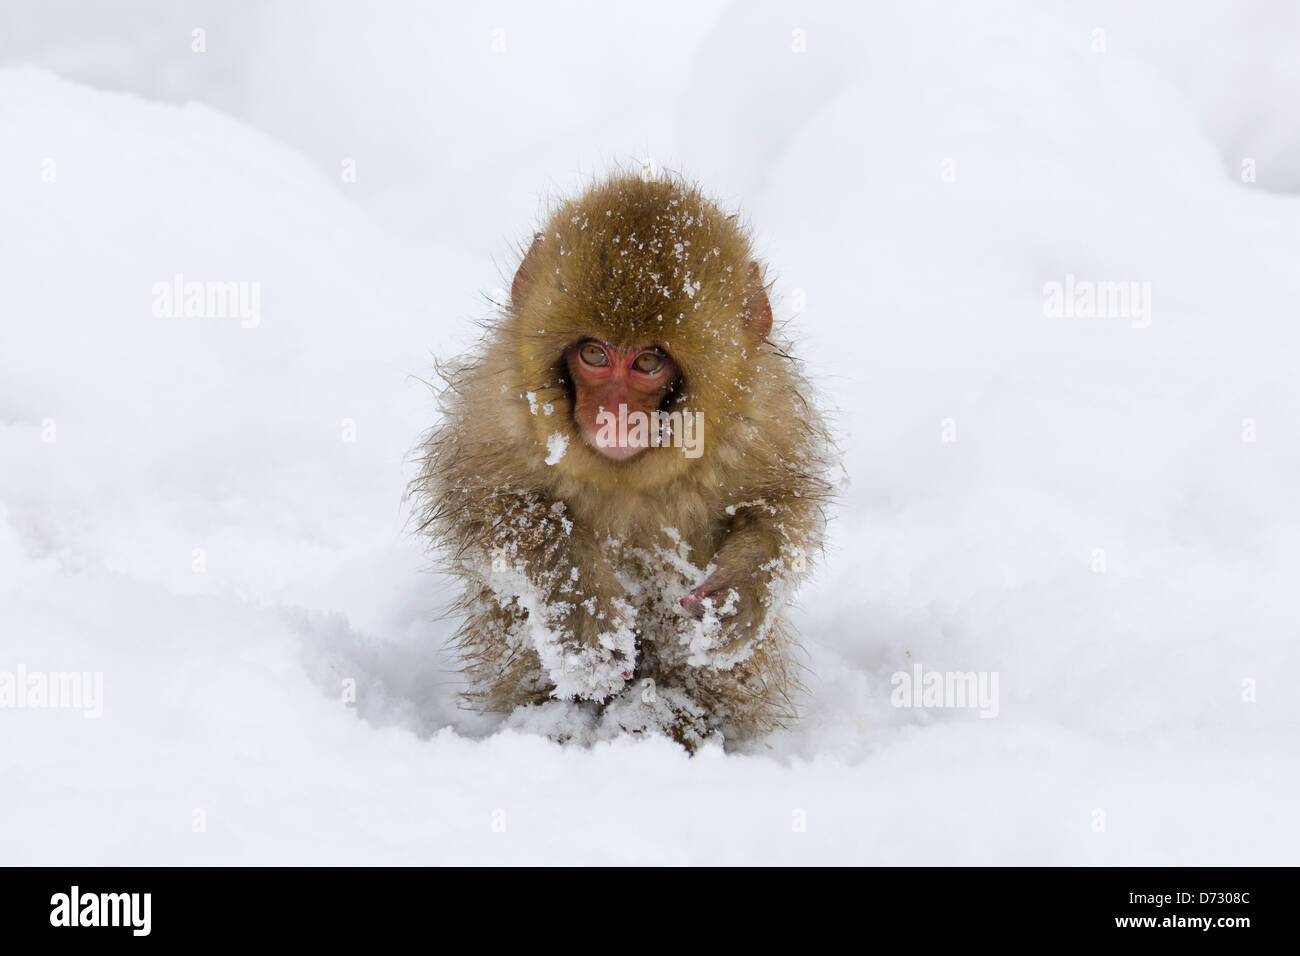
x=207, y=512
x=557, y=443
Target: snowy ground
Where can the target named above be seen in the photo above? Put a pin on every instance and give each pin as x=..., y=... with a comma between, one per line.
x=1101, y=510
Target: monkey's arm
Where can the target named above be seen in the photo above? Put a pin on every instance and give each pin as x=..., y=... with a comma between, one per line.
x=578, y=621
x=763, y=554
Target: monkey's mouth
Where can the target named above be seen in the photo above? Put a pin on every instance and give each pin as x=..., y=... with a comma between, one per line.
x=614, y=451
x=622, y=434
x=607, y=440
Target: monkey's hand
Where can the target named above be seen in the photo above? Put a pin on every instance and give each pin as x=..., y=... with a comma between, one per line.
x=734, y=604
x=746, y=584
x=727, y=618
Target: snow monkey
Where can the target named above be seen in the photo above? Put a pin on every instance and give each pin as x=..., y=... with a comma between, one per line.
x=629, y=477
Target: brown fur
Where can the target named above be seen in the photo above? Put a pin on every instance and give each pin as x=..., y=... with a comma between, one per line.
x=586, y=536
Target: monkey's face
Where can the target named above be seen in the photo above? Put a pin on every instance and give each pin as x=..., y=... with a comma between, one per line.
x=617, y=392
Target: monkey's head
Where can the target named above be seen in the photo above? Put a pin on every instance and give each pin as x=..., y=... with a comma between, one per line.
x=636, y=305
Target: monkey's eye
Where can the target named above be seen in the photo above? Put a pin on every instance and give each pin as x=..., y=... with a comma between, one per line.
x=648, y=362
x=593, y=354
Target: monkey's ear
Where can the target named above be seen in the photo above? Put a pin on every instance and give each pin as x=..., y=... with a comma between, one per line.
x=524, y=274
x=758, y=310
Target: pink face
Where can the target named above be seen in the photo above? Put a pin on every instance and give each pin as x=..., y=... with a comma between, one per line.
x=606, y=377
